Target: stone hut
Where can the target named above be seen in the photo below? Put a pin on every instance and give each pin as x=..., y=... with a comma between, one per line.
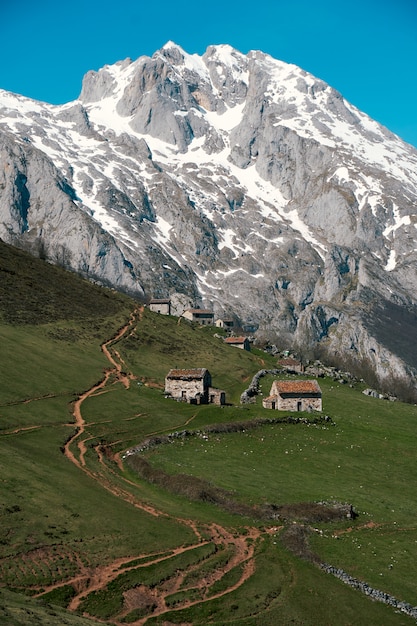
x=216, y=396
x=227, y=324
x=291, y=365
x=162, y=306
x=193, y=386
x=294, y=395
x=201, y=316
x=238, y=342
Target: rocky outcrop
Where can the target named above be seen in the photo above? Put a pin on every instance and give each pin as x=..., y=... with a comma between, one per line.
x=228, y=181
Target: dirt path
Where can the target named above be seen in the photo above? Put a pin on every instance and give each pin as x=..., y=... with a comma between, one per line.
x=88, y=580
x=16, y=431
x=243, y=556
x=116, y=372
x=102, y=576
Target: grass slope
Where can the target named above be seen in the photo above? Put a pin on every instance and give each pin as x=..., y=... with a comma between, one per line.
x=133, y=548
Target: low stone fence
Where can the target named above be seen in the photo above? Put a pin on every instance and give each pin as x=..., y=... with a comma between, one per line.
x=375, y=594
x=223, y=428
x=249, y=394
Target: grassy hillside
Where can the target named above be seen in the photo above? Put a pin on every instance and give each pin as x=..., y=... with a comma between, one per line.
x=35, y=292
x=83, y=534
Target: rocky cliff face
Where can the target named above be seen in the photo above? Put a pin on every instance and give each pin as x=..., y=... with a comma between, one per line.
x=235, y=182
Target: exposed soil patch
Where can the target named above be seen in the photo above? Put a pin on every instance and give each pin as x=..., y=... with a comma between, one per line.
x=140, y=597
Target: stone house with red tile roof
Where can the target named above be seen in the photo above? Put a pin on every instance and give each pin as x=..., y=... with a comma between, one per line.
x=291, y=365
x=238, y=342
x=193, y=386
x=294, y=395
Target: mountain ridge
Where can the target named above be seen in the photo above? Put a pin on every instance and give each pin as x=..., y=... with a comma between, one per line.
x=232, y=181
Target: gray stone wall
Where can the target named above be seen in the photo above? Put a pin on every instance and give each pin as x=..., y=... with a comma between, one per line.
x=185, y=389
x=299, y=403
x=162, y=308
x=252, y=391
x=216, y=396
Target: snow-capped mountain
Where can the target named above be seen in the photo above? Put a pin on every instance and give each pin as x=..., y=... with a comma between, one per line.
x=230, y=181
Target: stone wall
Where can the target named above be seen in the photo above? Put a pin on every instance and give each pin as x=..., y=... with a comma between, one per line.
x=162, y=307
x=216, y=396
x=299, y=403
x=249, y=394
x=373, y=593
x=187, y=389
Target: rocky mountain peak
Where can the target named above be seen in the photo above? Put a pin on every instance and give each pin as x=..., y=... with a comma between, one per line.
x=235, y=182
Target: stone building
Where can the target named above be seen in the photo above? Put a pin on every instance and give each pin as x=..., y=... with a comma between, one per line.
x=162, y=306
x=227, y=324
x=216, y=396
x=201, y=316
x=291, y=365
x=238, y=342
x=294, y=395
x=193, y=386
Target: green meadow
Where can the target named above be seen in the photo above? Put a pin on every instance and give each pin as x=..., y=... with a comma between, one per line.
x=86, y=536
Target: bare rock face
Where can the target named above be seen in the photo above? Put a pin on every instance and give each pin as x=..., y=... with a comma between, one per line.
x=40, y=214
x=234, y=182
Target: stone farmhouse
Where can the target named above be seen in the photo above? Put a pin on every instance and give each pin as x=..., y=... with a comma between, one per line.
x=201, y=316
x=291, y=365
x=193, y=386
x=294, y=395
x=227, y=324
x=238, y=342
x=162, y=306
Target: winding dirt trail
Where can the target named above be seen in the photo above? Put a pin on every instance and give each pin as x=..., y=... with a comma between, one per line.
x=116, y=372
x=87, y=580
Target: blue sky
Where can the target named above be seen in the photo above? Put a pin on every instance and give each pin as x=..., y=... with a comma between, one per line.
x=367, y=49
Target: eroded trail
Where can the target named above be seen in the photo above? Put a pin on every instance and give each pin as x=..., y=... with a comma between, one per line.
x=114, y=373
x=240, y=549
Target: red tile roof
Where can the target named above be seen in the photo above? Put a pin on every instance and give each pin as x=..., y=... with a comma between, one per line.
x=235, y=340
x=297, y=386
x=190, y=373
x=289, y=362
